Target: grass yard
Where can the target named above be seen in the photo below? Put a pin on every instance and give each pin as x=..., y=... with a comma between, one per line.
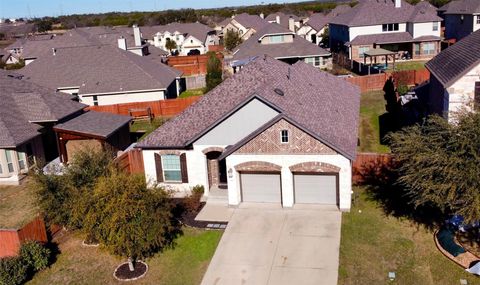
x=185, y=264
x=191, y=93
x=146, y=126
x=372, y=105
x=410, y=65
x=373, y=244
x=17, y=205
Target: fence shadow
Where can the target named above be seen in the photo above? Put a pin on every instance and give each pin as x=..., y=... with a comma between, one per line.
x=380, y=180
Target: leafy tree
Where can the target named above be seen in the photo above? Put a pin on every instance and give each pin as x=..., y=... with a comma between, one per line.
x=64, y=199
x=44, y=25
x=128, y=218
x=35, y=255
x=170, y=45
x=439, y=164
x=232, y=40
x=325, y=38
x=214, y=72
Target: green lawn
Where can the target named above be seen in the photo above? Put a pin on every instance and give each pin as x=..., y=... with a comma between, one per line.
x=182, y=265
x=146, y=126
x=373, y=244
x=17, y=206
x=410, y=65
x=191, y=92
x=372, y=105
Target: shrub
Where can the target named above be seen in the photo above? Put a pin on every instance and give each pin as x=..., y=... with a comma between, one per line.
x=13, y=271
x=198, y=189
x=214, y=72
x=192, y=202
x=128, y=218
x=35, y=255
x=402, y=89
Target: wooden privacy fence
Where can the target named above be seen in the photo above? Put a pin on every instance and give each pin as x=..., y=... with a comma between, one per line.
x=191, y=64
x=131, y=161
x=12, y=239
x=371, y=166
x=161, y=108
x=377, y=81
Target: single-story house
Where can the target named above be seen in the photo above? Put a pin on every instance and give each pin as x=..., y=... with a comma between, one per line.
x=273, y=132
x=280, y=43
x=455, y=78
x=104, y=75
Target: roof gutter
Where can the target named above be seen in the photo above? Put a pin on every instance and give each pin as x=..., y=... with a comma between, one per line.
x=123, y=92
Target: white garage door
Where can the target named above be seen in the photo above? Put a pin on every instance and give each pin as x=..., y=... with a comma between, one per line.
x=261, y=188
x=315, y=189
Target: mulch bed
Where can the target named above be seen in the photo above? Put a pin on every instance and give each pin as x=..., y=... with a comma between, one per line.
x=123, y=271
x=470, y=241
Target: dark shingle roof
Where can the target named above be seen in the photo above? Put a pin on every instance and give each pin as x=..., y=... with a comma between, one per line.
x=23, y=103
x=376, y=12
x=99, y=69
x=283, y=18
x=250, y=21
x=401, y=37
x=462, y=7
x=197, y=30
x=95, y=123
x=322, y=104
x=452, y=63
x=318, y=21
x=298, y=48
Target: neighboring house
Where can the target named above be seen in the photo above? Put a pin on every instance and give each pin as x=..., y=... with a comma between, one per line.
x=244, y=24
x=455, y=78
x=30, y=119
x=273, y=132
x=27, y=114
x=462, y=17
x=394, y=25
x=280, y=43
x=317, y=24
x=290, y=21
x=104, y=75
x=189, y=37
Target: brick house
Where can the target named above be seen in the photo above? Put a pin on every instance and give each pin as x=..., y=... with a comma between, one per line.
x=394, y=25
x=272, y=132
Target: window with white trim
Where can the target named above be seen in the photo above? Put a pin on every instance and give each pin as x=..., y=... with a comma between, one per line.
x=284, y=136
x=429, y=48
x=362, y=51
x=390, y=27
x=171, y=168
x=95, y=100
x=21, y=160
x=9, y=155
x=435, y=26
x=478, y=19
x=277, y=39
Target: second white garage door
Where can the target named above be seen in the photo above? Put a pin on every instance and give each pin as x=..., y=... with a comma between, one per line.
x=263, y=188
x=315, y=189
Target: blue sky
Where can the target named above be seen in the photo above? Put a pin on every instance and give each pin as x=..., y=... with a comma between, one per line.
x=39, y=8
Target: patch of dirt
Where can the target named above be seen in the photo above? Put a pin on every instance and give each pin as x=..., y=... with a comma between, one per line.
x=123, y=271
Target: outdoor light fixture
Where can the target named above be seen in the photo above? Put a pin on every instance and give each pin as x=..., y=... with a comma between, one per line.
x=391, y=276
x=230, y=173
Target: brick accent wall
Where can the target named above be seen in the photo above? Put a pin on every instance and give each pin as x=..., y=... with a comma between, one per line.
x=314, y=167
x=269, y=142
x=258, y=166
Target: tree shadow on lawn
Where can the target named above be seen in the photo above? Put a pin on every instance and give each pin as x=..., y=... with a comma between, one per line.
x=379, y=178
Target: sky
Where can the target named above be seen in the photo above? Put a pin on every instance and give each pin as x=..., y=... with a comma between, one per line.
x=40, y=8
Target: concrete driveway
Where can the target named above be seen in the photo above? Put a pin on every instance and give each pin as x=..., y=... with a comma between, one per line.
x=265, y=244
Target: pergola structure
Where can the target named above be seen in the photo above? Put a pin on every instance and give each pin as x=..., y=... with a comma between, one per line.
x=376, y=52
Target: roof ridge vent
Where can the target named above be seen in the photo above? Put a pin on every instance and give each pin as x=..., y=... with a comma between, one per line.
x=279, y=91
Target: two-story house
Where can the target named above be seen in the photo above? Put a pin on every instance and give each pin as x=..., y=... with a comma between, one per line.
x=281, y=43
x=395, y=25
x=244, y=24
x=317, y=24
x=462, y=17
x=289, y=21
x=189, y=38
